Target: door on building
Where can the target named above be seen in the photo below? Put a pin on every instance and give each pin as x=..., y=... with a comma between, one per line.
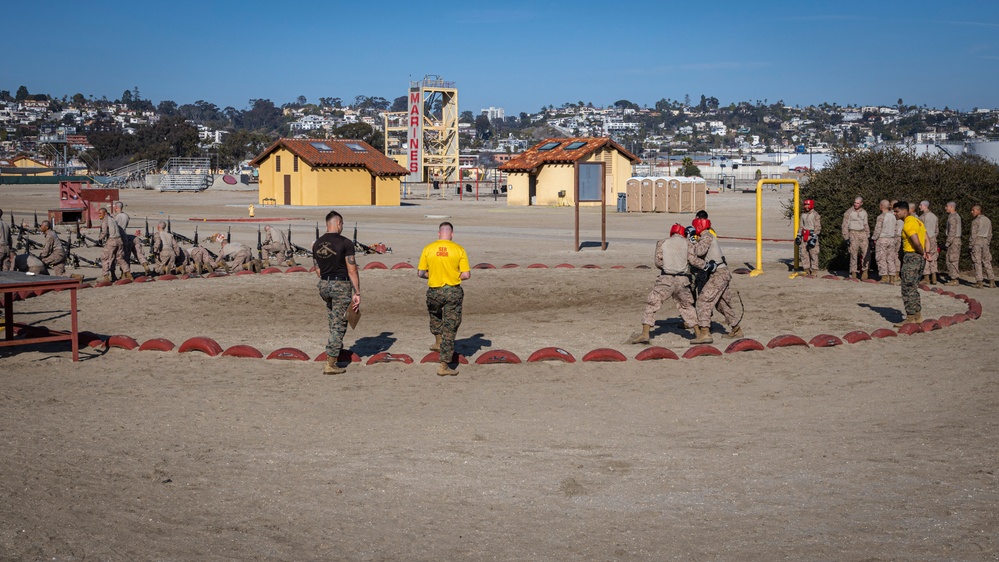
x=532, y=189
x=287, y=190
x=374, y=192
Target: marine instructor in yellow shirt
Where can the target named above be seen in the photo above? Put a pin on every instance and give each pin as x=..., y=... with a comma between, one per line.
x=914, y=255
x=445, y=265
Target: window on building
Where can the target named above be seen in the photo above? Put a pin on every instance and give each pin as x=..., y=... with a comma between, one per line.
x=355, y=147
x=277, y=163
x=548, y=146
x=295, y=164
x=574, y=145
x=321, y=146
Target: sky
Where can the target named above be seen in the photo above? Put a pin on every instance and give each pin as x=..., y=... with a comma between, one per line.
x=519, y=54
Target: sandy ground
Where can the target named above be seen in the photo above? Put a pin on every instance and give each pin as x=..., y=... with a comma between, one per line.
x=883, y=450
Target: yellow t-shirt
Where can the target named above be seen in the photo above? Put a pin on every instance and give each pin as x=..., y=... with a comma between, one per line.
x=445, y=261
x=911, y=226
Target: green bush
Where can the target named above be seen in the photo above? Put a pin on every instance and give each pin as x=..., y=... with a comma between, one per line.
x=897, y=173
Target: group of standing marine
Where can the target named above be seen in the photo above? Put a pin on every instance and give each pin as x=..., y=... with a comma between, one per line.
x=443, y=263
x=693, y=273
x=899, y=229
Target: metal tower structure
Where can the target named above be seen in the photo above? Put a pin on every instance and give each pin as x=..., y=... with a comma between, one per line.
x=432, y=130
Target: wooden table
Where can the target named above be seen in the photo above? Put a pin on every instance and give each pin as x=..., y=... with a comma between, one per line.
x=14, y=281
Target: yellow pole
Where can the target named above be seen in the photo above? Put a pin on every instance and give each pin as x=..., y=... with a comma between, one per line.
x=759, y=222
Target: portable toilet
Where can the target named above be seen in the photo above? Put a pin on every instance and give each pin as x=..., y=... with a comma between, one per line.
x=686, y=195
x=659, y=203
x=700, y=194
x=648, y=186
x=634, y=190
x=673, y=195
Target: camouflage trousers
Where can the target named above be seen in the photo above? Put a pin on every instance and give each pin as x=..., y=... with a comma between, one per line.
x=858, y=251
x=676, y=287
x=279, y=249
x=886, y=256
x=934, y=254
x=912, y=271
x=6, y=259
x=135, y=251
x=953, y=259
x=809, y=256
x=444, y=306
x=337, y=295
x=113, y=253
x=56, y=265
x=165, y=262
x=981, y=257
x=715, y=294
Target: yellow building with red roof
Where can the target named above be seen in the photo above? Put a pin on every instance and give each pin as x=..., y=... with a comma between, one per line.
x=333, y=172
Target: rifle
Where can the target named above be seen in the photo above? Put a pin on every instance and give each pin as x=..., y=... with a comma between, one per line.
x=358, y=246
x=182, y=238
x=149, y=236
x=37, y=225
x=76, y=259
x=260, y=245
x=228, y=235
x=195, y=237
x=295, y=248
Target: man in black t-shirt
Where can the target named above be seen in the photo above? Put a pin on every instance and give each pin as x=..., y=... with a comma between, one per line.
x=339, y=285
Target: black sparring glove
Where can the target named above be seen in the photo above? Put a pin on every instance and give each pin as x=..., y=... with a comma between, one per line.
x=711, y=266
x=811, y=243
x=689, y=232
x=797, y=240
x=847, y=242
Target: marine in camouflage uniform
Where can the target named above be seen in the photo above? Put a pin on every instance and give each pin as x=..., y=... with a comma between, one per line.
x=673, y=283
x=808, y=238
x=200, y=259
x=444, y=305
x=953, y=247
x=885, y=238
x=715, y=293
x=857, y=233
x=53, y=253
x=337, y=295
x=113, y=250
x=981, y=240
x=339, y=285
x=932, y=225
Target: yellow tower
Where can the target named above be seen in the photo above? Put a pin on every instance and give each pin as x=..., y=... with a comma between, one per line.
x=431, y=147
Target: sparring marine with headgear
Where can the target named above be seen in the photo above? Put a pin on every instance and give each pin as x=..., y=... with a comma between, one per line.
x=808, y=237
x=706, y=256
x=673, y=283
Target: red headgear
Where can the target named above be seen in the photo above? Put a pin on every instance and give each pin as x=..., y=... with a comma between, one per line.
x=700, y=225
x=677, y=228
x=809, y=204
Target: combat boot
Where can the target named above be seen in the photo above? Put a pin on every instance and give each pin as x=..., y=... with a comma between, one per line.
x=445, y=371
x=926, y=280
x=145, y=268
x=128, y=275
x=863, y=276
x=78, y=277
x=933, y=279
x=291, y=262
x=978, y=285
x=992, y=283
x=436, y=346
x=853, y=275
x=735, y=332
x=641, y=337
x=885, y=280
x=917, y=318
x=267, y=262
x=703, y=336
x=210, y=268
x=331, y=368
x=908, y=320
x=106, y=279
x=225, y=265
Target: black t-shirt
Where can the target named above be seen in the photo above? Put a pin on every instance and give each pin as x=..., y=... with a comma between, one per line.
x=330, y=253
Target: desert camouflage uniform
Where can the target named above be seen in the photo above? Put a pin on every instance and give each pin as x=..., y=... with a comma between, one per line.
x=199, y=255
x=897, y=264
x=133, y=249
x=53, y=254
x=981, y=255
x=444, y=304
x=932, y=225
x=275, y=244
x=857, y=230
x=6, y=255
x=953, y=247
x=235, y=254
x=812, y=222
x=337, y=295
x=715, y=293
x=113, y=251
x=911, y=272
x=885, y=239
x=672, y=283
x=29, y=264
x=165, y=248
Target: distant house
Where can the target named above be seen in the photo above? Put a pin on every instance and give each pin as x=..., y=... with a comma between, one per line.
x=327, y=173
x=26, y=166
x=538, y=175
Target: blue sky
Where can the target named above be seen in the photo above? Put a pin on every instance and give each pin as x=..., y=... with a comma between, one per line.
x=520, y=55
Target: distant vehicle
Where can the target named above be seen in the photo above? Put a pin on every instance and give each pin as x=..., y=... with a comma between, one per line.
x=801, y=169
